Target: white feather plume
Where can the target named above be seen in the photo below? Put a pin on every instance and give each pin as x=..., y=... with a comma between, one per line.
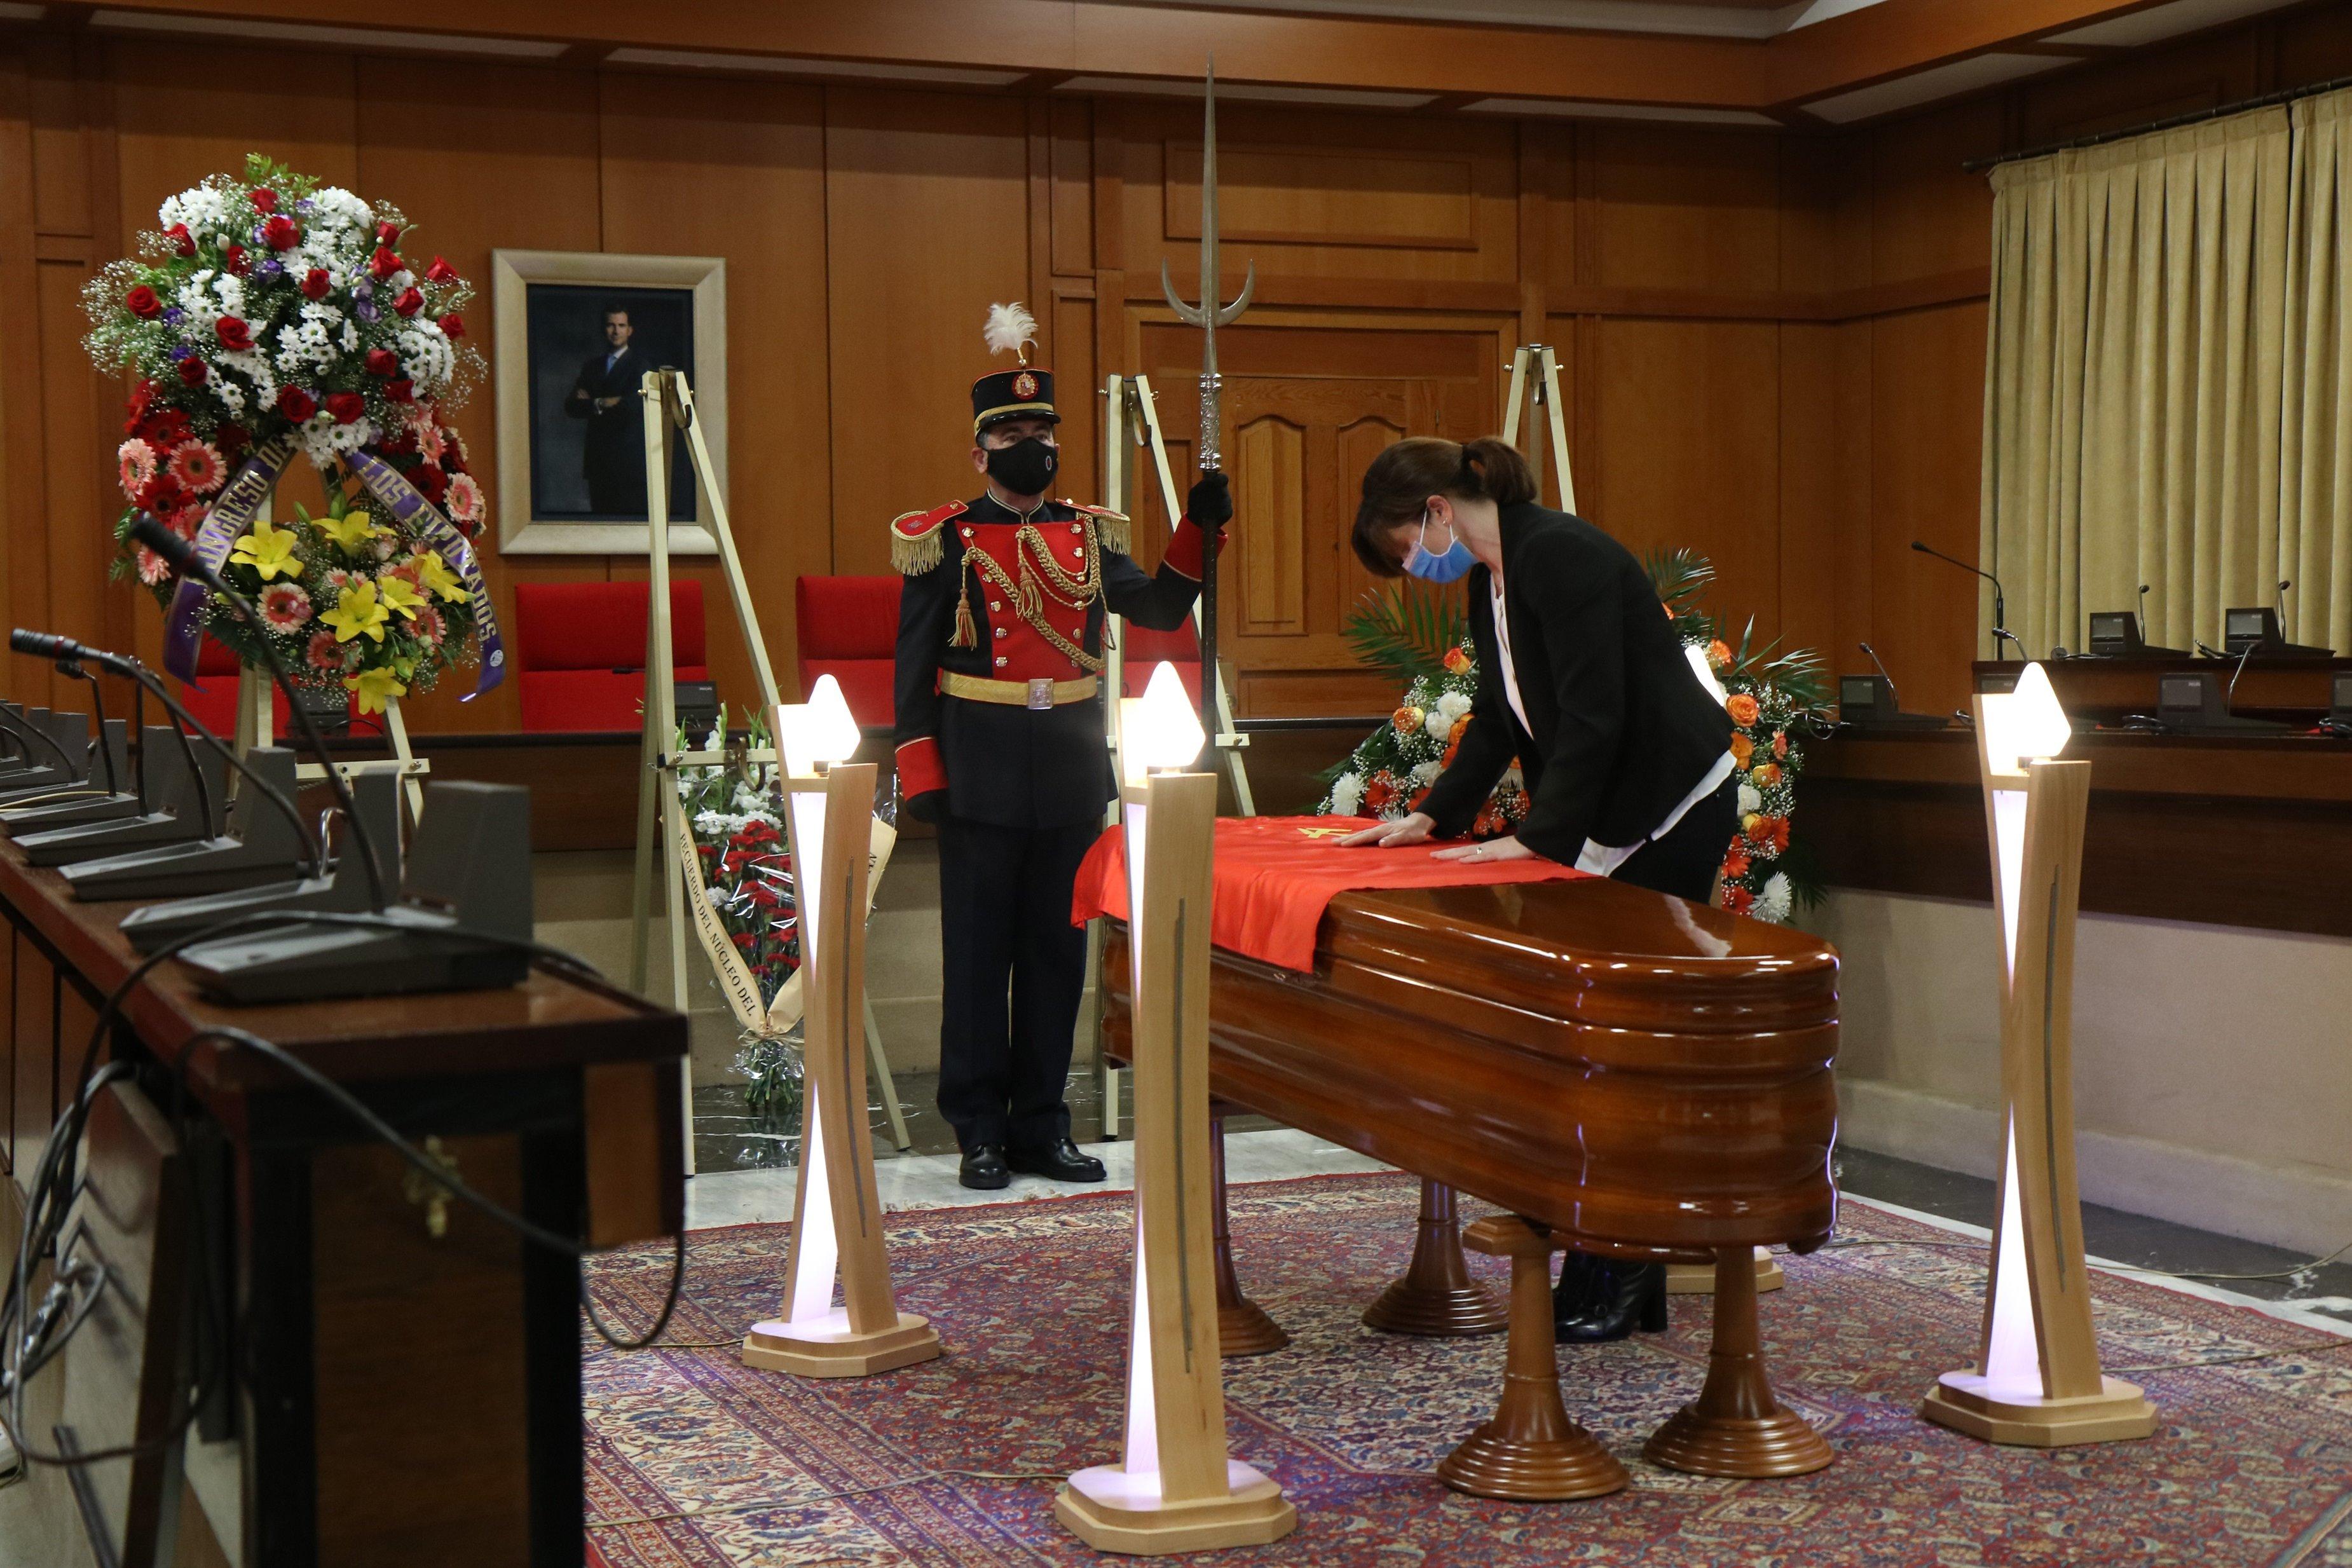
x=1010, y=329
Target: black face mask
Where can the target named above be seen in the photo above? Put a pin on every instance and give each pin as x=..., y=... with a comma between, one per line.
x=1025, y=468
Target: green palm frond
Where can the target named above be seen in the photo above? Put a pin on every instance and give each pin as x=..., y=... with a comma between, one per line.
x=1679, y=576
x=1406, y=633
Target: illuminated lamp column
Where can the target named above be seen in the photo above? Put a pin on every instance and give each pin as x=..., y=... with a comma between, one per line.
x=837, y=1213
x=2037, y=1382
x=1175, y=1489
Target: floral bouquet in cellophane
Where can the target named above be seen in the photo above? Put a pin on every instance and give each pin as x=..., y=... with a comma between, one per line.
x=269, y=315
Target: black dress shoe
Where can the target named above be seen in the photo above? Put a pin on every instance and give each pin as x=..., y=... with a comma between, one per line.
x=1057, y=1161
x=1625, y=1296
x=984, y=1167
x=1572, y=1298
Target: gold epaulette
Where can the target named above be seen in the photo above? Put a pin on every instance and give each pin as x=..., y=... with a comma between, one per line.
x=1110, y=527
x=916, y=543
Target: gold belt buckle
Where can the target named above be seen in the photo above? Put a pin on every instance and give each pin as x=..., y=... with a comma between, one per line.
x=1041, y=693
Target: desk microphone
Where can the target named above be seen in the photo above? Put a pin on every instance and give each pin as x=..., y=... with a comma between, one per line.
x=2284, y=583
x=1884, y=675
x=2000, y=631
x=72, y=668
x=182, y=561
x=2141, y=607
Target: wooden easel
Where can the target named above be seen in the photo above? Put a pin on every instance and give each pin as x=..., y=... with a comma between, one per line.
x=1535, y=372
x=670, y=401
x=1132, y=414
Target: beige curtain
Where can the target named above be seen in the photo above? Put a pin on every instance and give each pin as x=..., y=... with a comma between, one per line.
x=2316, y=492
x=2167, y=396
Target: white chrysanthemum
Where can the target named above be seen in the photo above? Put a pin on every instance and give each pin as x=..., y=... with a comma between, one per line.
x=1453, y=704
x=1437, y=725
x=232, y=395
x=1773, y=903
x=1346, y=794
x=1425, y=774
x=1749, y=801
x=351, y=338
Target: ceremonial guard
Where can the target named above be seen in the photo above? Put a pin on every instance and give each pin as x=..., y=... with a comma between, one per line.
x=1000, y=744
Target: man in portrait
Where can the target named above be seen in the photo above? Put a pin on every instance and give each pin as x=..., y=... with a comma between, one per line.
x=605, y=393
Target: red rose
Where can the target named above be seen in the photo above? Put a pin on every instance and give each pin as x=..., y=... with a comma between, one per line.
x=440, y=272
x=182, y=240
x=315, y=283
x=232, y=260
x=192, y=371
x=432, y=482
x=453, y=325
x=387, y=234
x=347, y=407
x=382, y=362
x=282, y=232
x=142, y=302
x=234, y=334
x=399, y=445
x=264, y=200
x=384, y=263
x=296, y=404
x=401, y=391
x=231, y=439
x=410, y=302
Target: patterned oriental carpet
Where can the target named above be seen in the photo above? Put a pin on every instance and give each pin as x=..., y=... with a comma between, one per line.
x=694, y=1459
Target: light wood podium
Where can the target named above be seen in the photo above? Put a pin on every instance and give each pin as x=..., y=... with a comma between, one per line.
x=836, y=1212
x=1174, y=1490
x=2037, y=1380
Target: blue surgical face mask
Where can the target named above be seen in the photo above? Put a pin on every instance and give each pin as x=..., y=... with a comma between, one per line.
x=1449, y=567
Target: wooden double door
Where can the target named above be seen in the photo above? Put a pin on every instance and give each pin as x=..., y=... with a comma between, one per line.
x=1306, y=409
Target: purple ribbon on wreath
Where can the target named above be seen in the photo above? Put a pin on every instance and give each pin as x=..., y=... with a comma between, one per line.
x=409, y=507
x=240, y=500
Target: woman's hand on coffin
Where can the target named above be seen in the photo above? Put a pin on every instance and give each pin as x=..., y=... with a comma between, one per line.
x=1506, y=849
x=1413, y=829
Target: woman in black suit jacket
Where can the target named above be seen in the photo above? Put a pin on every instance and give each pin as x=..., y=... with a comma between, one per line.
x=1626, y=752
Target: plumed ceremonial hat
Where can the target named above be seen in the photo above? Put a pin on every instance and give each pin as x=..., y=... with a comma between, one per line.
x=1022, y=392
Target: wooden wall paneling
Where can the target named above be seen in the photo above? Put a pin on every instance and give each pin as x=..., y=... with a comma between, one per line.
x=1072, y=128
x=1854, y=515
x=1689, y=433
x=736, y=169
x=1355, y=446
x=2139, y=89
x=1077, y=389
x=1680, y=208
x=1539, y=159
x=77, y=452
x=2312, y=44
x=1813, y=175
x=24, y=510
x=1270, y=474
x=1808, y=520
x=482, y=157
x=1929, y=215
x=1927, y=408
x=927, y=224
x=1326, y=197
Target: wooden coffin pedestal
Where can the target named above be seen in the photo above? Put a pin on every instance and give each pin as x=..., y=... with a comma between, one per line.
x=1640, y=1076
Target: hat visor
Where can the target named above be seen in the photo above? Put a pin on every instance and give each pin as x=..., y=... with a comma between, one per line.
x=1044, y=411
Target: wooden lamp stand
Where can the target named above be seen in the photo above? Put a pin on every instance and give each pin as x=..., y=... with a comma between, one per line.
x=2037, y=1382
x=1175, y=1489
x=837, y=1213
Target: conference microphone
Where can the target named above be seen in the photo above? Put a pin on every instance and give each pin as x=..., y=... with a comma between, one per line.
x=73, y=670
x=65, y=650
x=181, y=558
x=2284, y=583
x=1896, y=697
x=2000, y=631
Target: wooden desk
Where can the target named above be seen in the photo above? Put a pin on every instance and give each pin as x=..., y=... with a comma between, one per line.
x=2295, y=690
x=398, y=1399
x=2228, y=832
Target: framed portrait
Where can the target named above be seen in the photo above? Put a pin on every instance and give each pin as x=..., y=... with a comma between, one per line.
x=577, y=331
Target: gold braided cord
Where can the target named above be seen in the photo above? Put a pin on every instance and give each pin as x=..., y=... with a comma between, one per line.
x=1025, y=598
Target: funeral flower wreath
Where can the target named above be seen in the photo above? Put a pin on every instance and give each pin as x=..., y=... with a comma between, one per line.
x=272, y=315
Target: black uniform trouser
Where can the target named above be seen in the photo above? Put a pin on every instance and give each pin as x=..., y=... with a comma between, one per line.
x=1005, y=918
x=1685, y=861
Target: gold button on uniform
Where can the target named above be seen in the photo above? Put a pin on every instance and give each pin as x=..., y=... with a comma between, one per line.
x=1001, y=659
x=1000, y=630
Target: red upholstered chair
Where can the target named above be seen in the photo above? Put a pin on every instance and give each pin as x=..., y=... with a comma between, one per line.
x=580, y=651
x=848, y=629
x=214, y=707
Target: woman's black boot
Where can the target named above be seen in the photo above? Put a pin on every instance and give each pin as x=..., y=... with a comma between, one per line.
x=1625, y=1296
x=1572, y=1298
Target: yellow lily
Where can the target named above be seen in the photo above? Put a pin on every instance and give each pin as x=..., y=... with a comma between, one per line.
x=400, y=596
x=358, y=613
x=372, y=687
x=268, y=550
x=351, y=531
x=436, y=574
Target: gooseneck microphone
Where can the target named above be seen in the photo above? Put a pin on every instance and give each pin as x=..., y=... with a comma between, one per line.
x=2284, y=583
x=73, y=670
x=181, y=556
x=1884, y=675
x=2000, y=631
x=2140, y=608
x=65, y=649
